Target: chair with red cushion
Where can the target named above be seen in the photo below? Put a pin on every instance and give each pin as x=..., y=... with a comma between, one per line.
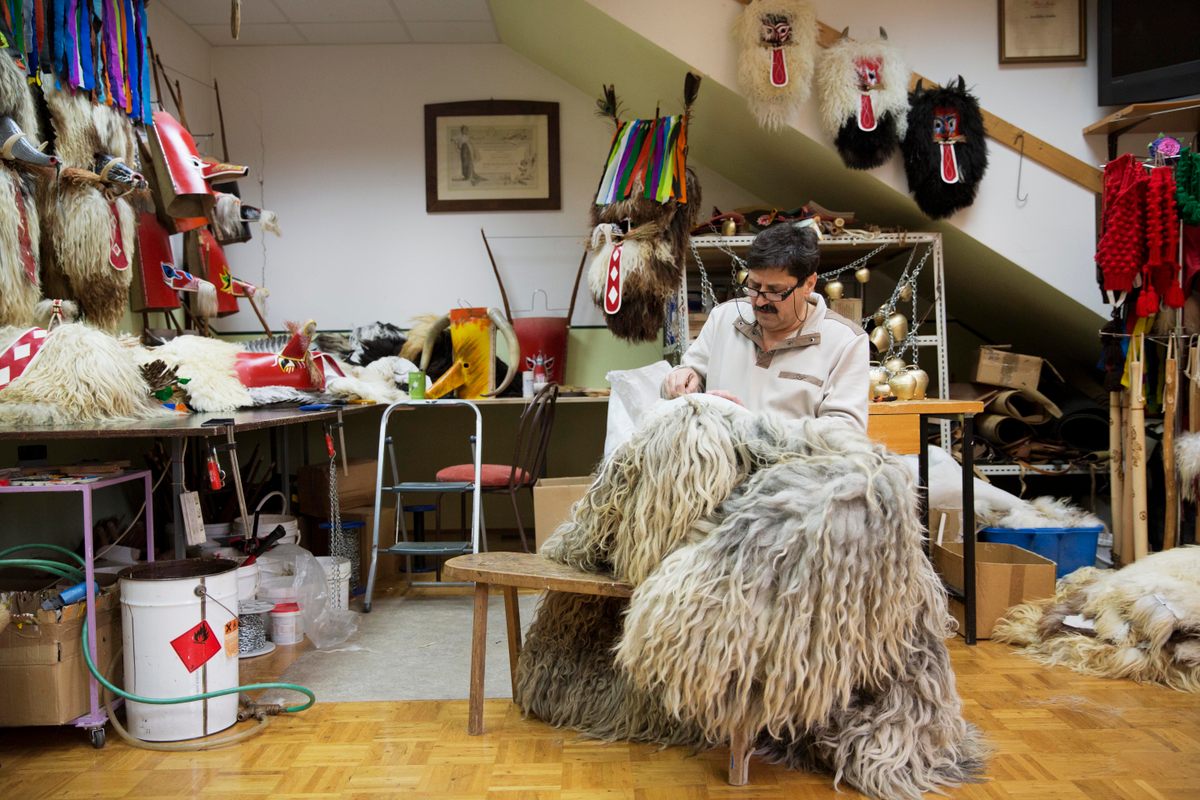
x=533, y=441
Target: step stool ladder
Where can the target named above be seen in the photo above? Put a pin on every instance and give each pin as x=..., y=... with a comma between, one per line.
x=402, y=546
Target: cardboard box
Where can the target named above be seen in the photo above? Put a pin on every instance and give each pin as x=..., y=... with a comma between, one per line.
x=355, y=489
x=1005, y=576
x=43, y=677
x=951, y=529
x=552, y=501
x=998, y=367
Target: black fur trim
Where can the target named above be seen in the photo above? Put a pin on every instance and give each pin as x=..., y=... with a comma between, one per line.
x=861, y=149
x=922, y=157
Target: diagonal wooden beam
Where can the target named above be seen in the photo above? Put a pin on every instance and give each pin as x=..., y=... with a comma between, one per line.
x=1006, y=133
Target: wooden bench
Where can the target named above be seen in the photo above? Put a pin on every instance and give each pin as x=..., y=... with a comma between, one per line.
x=514, y=571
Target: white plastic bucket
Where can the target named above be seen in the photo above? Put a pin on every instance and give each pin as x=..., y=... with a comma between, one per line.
x=337, y=579
x=287, y=627
x=179, y=629
x=278, y=589
x=247, y=581
x=268, y=522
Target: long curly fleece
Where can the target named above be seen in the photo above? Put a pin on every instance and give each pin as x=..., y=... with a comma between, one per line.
x=781, y=589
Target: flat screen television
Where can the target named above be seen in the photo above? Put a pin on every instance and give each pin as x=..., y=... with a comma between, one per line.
x=1148, y=51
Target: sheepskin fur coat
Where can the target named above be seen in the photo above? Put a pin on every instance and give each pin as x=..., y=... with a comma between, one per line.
x=1140, y=622
x=780, y=589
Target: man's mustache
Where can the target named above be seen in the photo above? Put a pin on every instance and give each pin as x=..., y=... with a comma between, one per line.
x=766, y=310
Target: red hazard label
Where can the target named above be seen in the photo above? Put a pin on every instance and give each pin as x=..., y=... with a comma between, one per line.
x=197, y=646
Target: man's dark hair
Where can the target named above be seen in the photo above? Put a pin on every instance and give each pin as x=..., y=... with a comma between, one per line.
x=784, y=245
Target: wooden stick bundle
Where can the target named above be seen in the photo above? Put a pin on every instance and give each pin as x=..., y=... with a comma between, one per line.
x=1116, y=469
x=1137, y=449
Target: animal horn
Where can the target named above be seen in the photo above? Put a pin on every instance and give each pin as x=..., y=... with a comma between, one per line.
x=16, y=147
x=883, y=33
x=116, y=172
x=435, y=330
x=514, y=349
x=845, y=33
x=962, y=84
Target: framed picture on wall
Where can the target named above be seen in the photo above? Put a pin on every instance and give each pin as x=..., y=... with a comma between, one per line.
x=1033, y=31
x=492, y=155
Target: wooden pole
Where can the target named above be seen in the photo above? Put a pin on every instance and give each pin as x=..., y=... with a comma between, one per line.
x=1170, y=400
x=1126, y=549
x=1137, y=452
x=221, y=122
x=1116, y=469
x=499, y=282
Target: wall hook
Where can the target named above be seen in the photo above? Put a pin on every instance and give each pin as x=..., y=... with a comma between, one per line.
x=1020, y=163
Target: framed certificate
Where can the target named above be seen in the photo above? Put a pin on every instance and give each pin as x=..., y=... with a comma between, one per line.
x=1033, y=31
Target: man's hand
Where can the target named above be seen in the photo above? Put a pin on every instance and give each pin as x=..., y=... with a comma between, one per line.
x=730, y=396
x=680, y=382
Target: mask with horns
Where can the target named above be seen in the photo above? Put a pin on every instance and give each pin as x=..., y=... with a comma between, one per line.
x=945, y=152
x=863, y=88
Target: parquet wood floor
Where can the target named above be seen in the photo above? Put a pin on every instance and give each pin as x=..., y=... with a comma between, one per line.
x=1056, y=735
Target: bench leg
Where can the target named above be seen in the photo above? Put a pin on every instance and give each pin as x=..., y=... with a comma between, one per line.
x=478, y=659
x=740, y=747
x=512, y=616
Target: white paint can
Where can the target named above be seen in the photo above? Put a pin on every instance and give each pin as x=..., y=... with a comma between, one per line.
x=287, y=627
x=180, y=634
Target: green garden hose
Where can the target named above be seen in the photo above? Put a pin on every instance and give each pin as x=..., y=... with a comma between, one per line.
x=57, y=568
x=170, y=701
x=71, y=553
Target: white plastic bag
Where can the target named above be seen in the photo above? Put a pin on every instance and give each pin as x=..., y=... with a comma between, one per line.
x=634, y=392
x=324, y=625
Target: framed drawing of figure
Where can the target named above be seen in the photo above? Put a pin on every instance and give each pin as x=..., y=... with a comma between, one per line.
x=492, y=155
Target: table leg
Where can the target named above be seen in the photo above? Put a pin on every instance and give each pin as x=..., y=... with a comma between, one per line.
x=285, y=467
x=177, y=488
x=740, y=748
x=478, y=659
x=923, y=479
x=89, y=569
x=968, y=501
x=512, y=616
x=149, y=480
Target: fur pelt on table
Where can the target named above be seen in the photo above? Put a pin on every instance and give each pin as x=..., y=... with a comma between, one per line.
x=81, y=375
x=780, y=589
x=213, y=384
x=1144, y=618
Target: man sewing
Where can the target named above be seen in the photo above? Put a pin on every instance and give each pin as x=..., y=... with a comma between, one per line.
x=778, y=347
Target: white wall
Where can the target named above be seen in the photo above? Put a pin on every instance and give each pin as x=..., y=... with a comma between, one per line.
x=1051, y=234
x=334, y=136
x=187, y=58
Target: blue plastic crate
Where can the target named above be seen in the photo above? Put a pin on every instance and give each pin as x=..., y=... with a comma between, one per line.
x=1068, y=548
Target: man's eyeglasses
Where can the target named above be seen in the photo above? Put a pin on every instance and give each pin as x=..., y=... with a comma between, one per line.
x=772, y=297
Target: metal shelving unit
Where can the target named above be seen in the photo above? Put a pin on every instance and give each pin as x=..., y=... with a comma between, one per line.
x=835, y=251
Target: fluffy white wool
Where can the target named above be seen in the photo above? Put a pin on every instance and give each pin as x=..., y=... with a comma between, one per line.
x=774, y=105
x=209, y=364
x=18, y=294
x=1146, y=616
x=1041, y=512
x=81, y=375
x=1187, y=462
x=837, y=87
x=376, y=382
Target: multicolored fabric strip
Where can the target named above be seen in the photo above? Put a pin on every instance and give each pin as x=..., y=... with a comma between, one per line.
x=98, y=46
x=649, y=153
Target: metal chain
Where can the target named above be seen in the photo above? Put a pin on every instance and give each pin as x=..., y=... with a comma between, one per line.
x=856, y=263
x=341, y=543
x=708, y=297
x=907, y=278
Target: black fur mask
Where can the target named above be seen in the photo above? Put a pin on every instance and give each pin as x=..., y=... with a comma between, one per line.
x=945, y=150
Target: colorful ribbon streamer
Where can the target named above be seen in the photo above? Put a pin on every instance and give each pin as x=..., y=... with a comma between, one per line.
x=649, y=153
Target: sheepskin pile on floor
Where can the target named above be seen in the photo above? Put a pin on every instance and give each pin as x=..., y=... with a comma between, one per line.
x=780, y=589
x=1140, y=622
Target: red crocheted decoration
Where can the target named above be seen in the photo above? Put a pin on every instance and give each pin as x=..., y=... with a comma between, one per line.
x=1162, y=238
x=1121, y=251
